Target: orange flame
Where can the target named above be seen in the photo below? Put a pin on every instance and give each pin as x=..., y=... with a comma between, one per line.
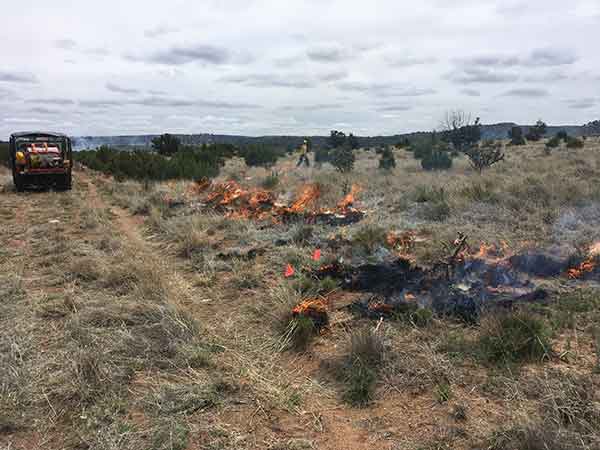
x=349, y=199
x=588, y=265
x=309, y=194
x=314, y=309
x=260, y=204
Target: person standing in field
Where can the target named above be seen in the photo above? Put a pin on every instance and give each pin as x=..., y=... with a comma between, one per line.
x=304, y=149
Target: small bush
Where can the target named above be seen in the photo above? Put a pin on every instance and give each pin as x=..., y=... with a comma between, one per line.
x=437, y=160
x=260, y=155
x=387, y=160
x=516, y=136
x=485, y=155
x=367, y=346
x=370, y=237
x=300, y=332
x=270, y=182
x=573, y=142
x=513, y=338
x=342, y=158
x=553, y=143
x=480, y=192
x=424, y=194
x=363, y=362
x=360, y=384
x=436, y=211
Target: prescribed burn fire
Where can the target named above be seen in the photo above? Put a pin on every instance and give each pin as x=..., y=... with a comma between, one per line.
x=588, y=265
x=463, y=285
x=236, y=202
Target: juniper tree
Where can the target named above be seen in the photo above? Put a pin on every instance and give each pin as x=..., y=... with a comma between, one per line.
x=387, y=160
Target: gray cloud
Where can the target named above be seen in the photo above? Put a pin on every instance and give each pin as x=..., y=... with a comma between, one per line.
x=329, y=54
x=99, y=103
x=52, y=101
x=311, y=107
x=408, y=61
x=65, y=44
x=333, y=76
x=583, y=103
x=394, y=108
x=168, y=102
x=546, y=77
x=97, y=51
x=388, y=89
x=541, y=57
x=43, y=110
x=481, y=75
x=122, y=90
x=546, y=57
x=471, y=92
x=158, y=31
x=527, y=92
x=264, y=80
x=180, y=55
x=17, y=77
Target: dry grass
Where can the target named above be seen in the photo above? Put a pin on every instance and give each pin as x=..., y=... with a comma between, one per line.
x=139, y=333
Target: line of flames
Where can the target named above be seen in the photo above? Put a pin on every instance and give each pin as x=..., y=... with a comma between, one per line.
x=261, y=204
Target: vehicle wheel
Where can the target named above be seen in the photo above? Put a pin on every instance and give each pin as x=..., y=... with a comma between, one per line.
x=65, y=182
x=19, y=182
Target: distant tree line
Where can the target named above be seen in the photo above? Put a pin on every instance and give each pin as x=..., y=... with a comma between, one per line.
x=188, y=162
x=170, y=159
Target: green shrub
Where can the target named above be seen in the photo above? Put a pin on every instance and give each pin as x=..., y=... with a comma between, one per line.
x=166, y=144
x=437, y=160
x=260, y=155
x=369, y=237
x=271, y=181
x=387, y=160
x=322, y=155
x=537, y=131
x=188, y=163
x=363, y=362
x=360, y=384
x=342, y=158
x=480, y=192
x=485, y=155
x=516, y=136
x=553, y=143
x=513, y=338
x=436, y=211
x=424, y=194
x=300, y=332
x=573, y=142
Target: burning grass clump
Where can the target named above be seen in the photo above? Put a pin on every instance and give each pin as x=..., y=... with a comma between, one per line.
x=512, y=338
x=361, y=367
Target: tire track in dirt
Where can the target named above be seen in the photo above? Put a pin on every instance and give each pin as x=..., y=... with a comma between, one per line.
x=339, y=426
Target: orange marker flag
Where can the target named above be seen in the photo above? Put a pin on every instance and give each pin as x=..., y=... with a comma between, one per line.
x=289, y=271
x=317, y=255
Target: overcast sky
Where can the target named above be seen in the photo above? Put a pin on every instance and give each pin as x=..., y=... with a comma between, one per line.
x=260, y=67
